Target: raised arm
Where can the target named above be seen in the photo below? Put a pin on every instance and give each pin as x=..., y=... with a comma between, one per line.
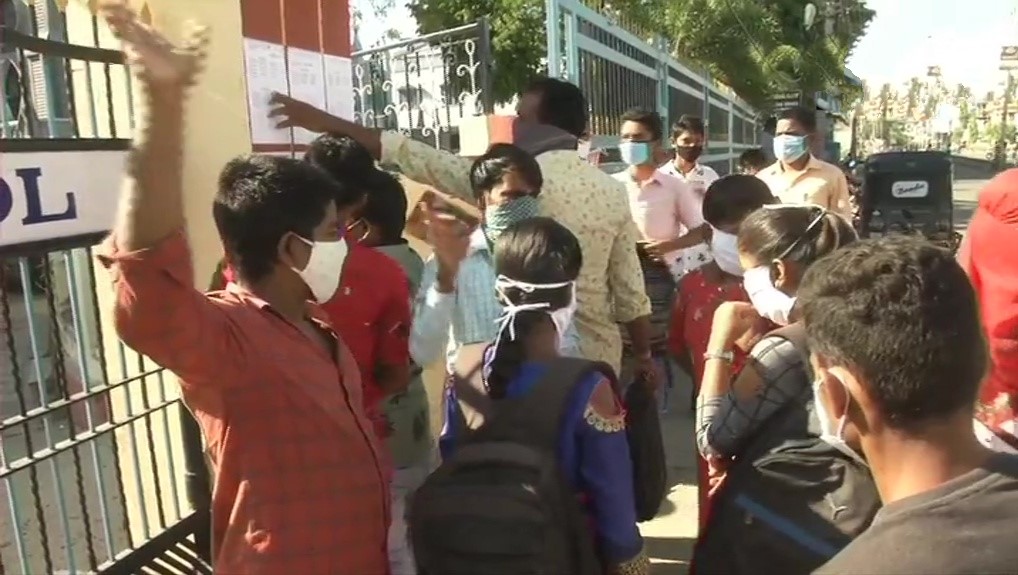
x=417, y=161
x=157, y=310
x=436, y=298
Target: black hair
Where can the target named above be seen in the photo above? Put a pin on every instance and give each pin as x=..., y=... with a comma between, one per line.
x=800, y=233
x=347, y=161
x=649, y=119
x=562, y=104
x=731, y=198
x=902, y=314
x=385, y=206
x=488, y=170
x=802, y=116
x=688, y=123
x=536, y=250
x=753, y=158
x=341, y=156
x=262, y=198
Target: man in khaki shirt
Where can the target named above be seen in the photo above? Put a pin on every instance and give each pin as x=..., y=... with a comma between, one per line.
x=799, y=177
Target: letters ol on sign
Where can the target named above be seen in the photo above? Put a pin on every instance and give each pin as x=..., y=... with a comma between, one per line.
x=910, y=189
x=54, y=195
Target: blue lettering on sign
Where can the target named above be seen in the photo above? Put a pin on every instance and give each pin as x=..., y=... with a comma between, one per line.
x=33, y=200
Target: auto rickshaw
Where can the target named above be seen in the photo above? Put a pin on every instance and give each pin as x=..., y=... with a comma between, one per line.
x=909, y=193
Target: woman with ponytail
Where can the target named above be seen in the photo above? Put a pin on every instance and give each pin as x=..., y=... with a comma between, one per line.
x=537, y=262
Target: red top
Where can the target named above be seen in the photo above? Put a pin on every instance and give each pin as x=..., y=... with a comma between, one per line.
x=989, y=257
x=699, y=294
x=300, y=485
x=371, y=312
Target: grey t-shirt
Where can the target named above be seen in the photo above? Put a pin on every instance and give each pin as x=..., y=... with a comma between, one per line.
x=964, y=527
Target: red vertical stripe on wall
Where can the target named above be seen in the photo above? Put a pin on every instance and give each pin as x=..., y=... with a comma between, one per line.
x=336, y=27
x=262, y=20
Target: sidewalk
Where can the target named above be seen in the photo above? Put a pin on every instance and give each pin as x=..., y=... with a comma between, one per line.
x=669, y=537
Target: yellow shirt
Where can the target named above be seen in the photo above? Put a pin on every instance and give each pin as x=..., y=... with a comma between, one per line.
x=592, y=204
x=819, y=183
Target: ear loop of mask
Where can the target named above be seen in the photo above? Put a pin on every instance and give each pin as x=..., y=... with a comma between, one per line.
x=507, y=321
x=809, y=228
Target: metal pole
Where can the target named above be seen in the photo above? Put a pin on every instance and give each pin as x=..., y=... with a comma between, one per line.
x=1001, y=155
x=484, y=71
x=197, y=479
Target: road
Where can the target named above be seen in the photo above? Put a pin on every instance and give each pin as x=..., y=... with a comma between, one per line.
x=669, y=537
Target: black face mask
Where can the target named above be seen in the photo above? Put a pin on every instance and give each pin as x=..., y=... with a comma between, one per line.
x=689, y=153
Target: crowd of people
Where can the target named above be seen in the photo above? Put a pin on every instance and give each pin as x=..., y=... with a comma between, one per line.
x=845, y=420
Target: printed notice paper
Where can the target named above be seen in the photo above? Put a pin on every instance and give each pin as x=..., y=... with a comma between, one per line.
x=265, y=64
x=307, y=83
x=339, y=87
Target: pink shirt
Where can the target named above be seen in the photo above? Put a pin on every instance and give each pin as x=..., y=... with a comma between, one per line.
x=663, y=207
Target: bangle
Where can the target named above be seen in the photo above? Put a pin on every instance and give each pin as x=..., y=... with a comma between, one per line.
x=726, y=356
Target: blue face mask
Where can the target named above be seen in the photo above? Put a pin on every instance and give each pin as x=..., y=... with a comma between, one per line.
x=634, y=153
x=789, y=148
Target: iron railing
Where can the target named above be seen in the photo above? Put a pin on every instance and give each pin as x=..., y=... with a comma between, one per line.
x=620, y=66
x=96, y=451
x=424, y=86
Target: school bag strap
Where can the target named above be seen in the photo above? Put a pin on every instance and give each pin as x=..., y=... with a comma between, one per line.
x=795, y=333
x=534, y=418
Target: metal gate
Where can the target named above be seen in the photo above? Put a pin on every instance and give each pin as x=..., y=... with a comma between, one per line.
x=618, y=68
x=101, y=469
x=424, y=86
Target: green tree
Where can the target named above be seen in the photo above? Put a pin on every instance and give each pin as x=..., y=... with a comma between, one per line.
x=757, y=47
x=518, y=41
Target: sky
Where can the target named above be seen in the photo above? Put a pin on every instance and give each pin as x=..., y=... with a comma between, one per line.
x=906, y=36
x=903, y=39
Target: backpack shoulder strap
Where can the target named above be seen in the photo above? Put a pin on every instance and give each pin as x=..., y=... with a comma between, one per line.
x=794, y=333
x=535, y=417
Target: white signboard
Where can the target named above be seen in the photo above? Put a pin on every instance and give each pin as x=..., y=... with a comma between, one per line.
x=910, y=189
x=339, y=86
x=306, y=72
x=52, y=195
x=265, y=64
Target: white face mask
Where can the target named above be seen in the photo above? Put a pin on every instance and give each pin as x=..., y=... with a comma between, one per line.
x=768, y=300
x=725, y=249
x=832, y=432
x=322, y=272
x=562, y=318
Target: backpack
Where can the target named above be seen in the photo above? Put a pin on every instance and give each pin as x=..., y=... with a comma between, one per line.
x=646, y=450
x=501, y=505
x=790, y=501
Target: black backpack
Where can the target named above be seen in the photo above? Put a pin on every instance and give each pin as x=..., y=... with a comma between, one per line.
x=501, y=504
x=646, y=450
x=790, y=501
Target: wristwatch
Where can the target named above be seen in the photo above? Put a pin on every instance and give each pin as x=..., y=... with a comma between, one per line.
x=722, y=355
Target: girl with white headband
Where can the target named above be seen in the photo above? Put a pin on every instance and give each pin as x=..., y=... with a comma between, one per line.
x=537, y=261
